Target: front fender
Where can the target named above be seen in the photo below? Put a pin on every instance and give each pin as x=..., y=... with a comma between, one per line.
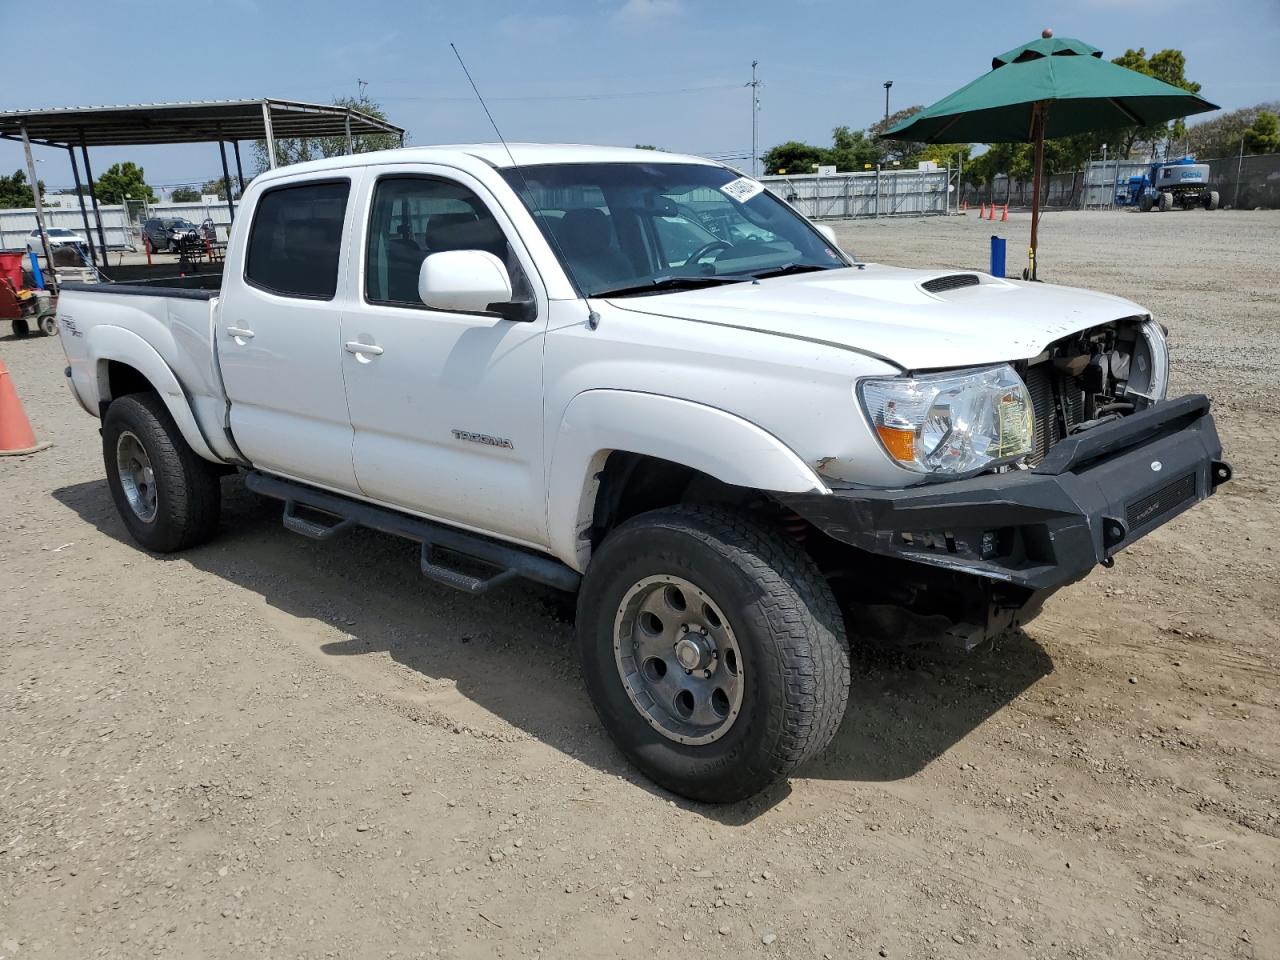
x=106, y=342
x=719, y=444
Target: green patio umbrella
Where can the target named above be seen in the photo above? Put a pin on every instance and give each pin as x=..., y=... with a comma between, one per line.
x=1051, y=87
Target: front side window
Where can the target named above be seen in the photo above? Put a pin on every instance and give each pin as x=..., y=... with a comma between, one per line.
x=632, y=228
x=295, y=242
x=414, y=217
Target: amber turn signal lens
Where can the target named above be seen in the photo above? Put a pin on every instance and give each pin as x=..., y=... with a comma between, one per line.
x=901, y=444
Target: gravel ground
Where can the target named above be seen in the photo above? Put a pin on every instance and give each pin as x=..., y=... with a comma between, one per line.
x=269, y=747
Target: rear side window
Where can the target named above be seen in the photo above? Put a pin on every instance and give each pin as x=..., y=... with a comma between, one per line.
x=296, y=240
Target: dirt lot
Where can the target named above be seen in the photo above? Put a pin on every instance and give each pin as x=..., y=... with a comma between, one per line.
x=269, y=747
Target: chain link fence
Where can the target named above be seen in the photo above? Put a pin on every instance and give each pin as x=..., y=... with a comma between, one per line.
x=1243, y=182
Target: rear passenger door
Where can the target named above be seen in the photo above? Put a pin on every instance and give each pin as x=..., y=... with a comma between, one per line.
x=446, y=406
x=279, y=336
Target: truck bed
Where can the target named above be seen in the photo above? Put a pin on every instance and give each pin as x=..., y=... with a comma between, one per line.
x=166, y=321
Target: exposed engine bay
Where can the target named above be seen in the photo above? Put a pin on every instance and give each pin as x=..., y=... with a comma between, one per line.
x=1093, y=377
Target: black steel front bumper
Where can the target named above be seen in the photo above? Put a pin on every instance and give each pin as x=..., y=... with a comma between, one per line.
x=1040, y=529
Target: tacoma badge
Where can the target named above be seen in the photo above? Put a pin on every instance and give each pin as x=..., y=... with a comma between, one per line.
x=482, y=438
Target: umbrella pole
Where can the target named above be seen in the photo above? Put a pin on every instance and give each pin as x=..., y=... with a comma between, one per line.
x=1037, y=123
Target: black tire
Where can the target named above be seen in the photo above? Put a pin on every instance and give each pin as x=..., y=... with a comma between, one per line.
x=795, y=655
x=187, y=488
x=20, y=327
x=1211, y=200
x=1144, y=204
x=1166, y=202
x=49, y=325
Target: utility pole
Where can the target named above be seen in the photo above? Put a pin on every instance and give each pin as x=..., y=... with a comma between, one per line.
x=1239, y=171
x=755, y=118
x=887, y=85
x=361, y=86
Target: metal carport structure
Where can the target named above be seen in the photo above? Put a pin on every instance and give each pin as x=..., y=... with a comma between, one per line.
x=145, y=124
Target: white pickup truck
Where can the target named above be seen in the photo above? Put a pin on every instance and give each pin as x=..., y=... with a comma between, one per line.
x=645, y=378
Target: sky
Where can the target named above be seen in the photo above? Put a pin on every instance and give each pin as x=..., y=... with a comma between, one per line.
x=672, y=73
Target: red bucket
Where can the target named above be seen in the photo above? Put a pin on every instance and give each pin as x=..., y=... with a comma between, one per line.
x=11, y=267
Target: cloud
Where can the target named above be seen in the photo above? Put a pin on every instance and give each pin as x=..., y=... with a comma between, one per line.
x=638, y=11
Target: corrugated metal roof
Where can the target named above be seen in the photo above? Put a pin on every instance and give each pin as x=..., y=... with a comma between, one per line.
x=194, y=122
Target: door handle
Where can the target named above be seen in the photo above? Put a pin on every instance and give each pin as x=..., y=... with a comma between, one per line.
x=239, y=333
x=358, y=348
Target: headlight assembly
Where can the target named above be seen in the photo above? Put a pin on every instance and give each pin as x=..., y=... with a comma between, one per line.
x=959, y=422
x=1157, y=386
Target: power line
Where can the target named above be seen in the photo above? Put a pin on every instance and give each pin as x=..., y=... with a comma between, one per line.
x=755, y=116
x=572, y=96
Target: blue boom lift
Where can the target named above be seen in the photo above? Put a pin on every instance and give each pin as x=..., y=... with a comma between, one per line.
x=1168, y=182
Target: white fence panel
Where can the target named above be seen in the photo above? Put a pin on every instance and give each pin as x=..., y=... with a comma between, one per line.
x=17, y=224
x=888, y=193
x=122, y=234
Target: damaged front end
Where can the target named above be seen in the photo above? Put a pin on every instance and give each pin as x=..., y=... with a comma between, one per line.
x=972, y=557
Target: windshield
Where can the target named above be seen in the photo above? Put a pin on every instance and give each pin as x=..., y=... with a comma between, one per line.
x=633, y=228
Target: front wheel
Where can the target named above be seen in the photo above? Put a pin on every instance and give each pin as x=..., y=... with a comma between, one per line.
x=167, y=496
x=1166, y=202
x=1211, y=200
x=713, y=651
x=20, y=327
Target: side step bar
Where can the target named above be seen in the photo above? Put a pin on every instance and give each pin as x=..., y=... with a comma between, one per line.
x=509, y=561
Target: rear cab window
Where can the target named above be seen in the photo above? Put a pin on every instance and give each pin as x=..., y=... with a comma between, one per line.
x=295, y=240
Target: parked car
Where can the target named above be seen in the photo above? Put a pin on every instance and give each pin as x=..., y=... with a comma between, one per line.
x=165, y=233
x=58, y=237
x=729, y=451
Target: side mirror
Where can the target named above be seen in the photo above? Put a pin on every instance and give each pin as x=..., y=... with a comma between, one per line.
x=468, y=281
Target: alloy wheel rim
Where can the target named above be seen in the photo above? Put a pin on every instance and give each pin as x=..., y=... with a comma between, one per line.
x=137, y=479
x=678, y=659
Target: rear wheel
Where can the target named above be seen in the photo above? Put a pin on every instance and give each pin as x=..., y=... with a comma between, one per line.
x=49, y=325
x=1144, y=204
x=713, y=651
x=1211, y=200
x=1166, y=202
x=168, y=497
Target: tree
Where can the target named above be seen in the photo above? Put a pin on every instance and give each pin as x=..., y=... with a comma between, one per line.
x=16, y=192
x=185, y=195
x=793, y=157
x=217, y=188
x=1263, y=135
x=1221, y=136
x=901, y=150
x=121, y=180
x=301, y=149
x=1168, y=65
x=851, y=150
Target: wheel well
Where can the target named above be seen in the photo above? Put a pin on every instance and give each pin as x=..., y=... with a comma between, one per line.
x=120, y=379
x=632, y=483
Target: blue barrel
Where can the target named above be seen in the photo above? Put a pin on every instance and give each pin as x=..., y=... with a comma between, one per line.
x=997, y=256
x=36, y=275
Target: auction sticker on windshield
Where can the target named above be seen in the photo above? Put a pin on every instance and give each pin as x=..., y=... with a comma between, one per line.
x=742, y=189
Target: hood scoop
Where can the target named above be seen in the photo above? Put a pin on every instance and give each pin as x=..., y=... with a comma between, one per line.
x=951, y=281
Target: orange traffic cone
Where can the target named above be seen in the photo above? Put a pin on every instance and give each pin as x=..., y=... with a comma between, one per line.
x=1004, y=213
x=982, y=211
x=964, y=206
x=16, y=436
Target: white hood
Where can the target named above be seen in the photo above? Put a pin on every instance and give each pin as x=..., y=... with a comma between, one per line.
x=884, y=311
